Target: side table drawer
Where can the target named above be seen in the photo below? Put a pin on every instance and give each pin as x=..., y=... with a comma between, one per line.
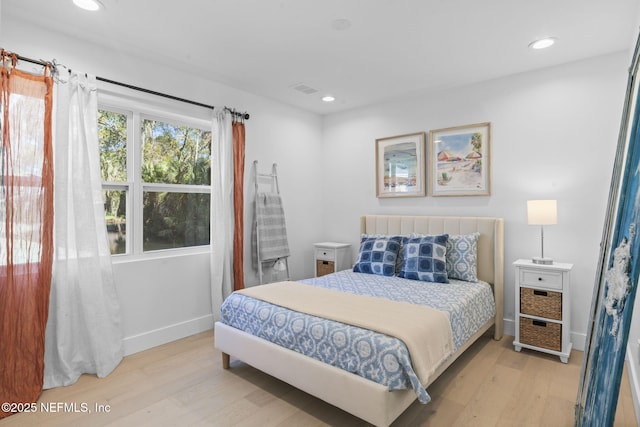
x=541, y=303
x=541, y=334
x=324, y=267
x=541, y=279
x=327, y=254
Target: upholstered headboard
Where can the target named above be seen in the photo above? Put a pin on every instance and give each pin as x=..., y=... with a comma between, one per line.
x=490, y=243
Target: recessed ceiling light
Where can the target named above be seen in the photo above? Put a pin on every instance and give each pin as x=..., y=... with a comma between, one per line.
x=542, y=43
x=92, y=5
x=328, y=98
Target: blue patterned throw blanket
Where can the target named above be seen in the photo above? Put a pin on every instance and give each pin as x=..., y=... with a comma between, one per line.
x=375, y=356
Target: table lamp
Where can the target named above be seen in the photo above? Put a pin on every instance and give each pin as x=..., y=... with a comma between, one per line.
x=542, y=212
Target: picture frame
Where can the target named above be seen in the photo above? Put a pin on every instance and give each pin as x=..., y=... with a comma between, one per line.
x=460, y=160
x=400, y=166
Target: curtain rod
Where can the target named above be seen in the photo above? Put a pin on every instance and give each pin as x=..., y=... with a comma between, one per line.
x=54, y=66
x=244, y=115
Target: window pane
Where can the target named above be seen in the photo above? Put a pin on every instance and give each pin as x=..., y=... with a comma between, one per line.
x=175, y=220
x=175, y=154
x=115, y=209
x=112, y=132
x=25, y=223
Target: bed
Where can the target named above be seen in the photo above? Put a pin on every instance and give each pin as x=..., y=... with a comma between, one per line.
x=367, y=398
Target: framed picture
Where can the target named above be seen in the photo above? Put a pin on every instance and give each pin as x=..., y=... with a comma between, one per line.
x=400, y=166
x=460, y=161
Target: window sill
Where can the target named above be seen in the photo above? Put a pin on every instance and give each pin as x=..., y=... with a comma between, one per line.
x=164, y=254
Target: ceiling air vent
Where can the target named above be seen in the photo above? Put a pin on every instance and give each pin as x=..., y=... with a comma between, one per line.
x=301, y=87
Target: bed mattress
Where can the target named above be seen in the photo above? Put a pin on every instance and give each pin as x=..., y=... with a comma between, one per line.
x=377, y=357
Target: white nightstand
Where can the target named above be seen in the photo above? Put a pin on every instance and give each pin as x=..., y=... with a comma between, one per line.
x=543, y=317
x=331, y=257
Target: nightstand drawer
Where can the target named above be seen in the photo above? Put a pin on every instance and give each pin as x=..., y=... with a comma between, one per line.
x=327, y=254
x=541, y=334
x=541, y=279
x=325, y=267
x=541, y=303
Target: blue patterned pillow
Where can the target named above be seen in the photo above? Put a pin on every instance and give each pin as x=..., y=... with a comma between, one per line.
x=425, y=258
x=378, y=255
x=462, y=256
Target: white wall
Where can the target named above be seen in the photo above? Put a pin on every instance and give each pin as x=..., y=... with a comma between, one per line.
x=168, y=298
x=554, y=135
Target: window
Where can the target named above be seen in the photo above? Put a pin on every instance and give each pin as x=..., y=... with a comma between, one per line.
x=156, y=174
x=112, y=134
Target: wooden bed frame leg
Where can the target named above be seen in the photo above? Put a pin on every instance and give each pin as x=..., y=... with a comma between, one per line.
x=498, y=332
x=225, y=360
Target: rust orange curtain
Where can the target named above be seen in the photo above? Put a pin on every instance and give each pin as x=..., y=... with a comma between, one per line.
x=238, y=204
x=26, y=230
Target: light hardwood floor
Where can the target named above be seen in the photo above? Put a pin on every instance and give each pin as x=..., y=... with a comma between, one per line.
x=183, y=384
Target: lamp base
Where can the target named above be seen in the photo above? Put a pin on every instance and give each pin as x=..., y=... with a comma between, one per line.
x=543, y=261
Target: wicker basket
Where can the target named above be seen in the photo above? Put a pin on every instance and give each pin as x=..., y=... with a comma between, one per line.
x=541, y=334
x=324, y=267
x=541, y=303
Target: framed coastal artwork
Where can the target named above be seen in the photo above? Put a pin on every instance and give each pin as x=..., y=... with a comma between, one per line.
x=400, y=166
x=617, y=274
x=460, y=161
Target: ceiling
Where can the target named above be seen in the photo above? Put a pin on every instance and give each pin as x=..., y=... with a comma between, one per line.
x=391, y=48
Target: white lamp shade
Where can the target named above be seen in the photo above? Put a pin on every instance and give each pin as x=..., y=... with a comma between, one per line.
x=542, y=212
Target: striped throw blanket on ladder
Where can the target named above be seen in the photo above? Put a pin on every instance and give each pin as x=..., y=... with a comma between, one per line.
x=271, y=233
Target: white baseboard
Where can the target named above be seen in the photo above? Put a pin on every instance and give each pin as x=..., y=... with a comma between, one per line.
x=634, y=378
x=579, y=341
x=147, y=340
x=509, y=327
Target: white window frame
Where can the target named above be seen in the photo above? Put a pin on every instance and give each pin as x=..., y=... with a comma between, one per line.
x=139, y=106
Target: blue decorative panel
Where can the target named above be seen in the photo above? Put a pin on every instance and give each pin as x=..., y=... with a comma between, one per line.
x=617, y=277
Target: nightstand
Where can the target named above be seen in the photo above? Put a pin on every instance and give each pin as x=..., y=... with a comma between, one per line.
x=331, y=257
x=543, y=317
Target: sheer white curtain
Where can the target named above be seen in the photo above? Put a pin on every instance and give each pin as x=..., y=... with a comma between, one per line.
x=221, y=210
x=83, y=333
